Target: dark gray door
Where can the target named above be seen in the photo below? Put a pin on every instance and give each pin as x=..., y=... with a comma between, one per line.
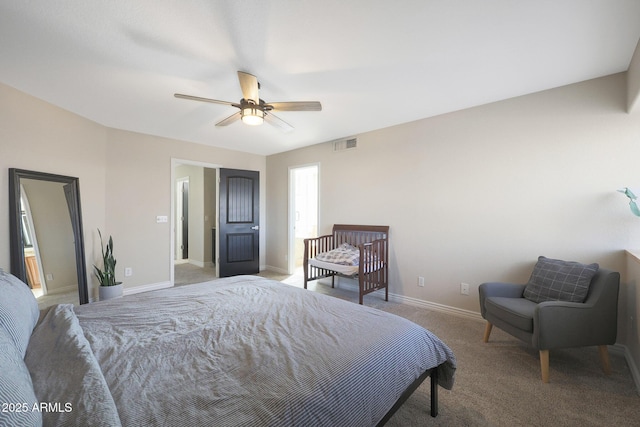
x=239, y=235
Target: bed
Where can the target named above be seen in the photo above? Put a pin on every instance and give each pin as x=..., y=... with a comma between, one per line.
x=240, y=351
x=354, y=251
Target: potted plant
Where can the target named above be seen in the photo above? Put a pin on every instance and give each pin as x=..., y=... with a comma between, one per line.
x=109, y=288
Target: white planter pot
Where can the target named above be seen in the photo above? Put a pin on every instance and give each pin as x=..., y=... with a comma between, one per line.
x=110, y=292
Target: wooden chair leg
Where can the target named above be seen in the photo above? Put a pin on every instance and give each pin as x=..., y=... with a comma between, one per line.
x=544, y=365
x=487, y=332
x=604, y=359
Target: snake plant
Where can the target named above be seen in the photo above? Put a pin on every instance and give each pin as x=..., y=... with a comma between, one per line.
x=107, y=276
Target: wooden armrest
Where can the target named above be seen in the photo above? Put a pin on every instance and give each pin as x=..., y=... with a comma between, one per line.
x=316, y=245
x=374, y=246
x=374, y=252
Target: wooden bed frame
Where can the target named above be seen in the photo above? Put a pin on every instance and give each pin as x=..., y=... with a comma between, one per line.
x=373, y=269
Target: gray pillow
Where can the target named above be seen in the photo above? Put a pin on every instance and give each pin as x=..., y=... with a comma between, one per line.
x=18, y=310
x=16, y=388
x=557, y=280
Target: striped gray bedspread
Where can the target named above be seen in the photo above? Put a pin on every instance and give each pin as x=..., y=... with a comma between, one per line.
x=247, y=351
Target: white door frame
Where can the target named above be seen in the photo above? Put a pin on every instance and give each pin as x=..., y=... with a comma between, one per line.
x=291, y=267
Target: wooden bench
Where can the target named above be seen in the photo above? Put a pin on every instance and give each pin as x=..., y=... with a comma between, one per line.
x=373, y=268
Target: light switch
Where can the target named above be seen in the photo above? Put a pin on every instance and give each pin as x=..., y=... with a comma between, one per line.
x=162, y=218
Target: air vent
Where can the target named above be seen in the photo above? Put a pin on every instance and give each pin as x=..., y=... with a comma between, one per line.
x=345, y=144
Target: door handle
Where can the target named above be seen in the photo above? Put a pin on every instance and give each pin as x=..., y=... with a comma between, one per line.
x=255, y=227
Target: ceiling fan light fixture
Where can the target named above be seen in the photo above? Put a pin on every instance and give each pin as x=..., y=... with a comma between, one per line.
x=254, y=110
x=251, y=115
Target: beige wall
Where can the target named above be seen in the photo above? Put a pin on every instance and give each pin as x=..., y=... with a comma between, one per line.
x=37, y=136
x=479, y=194
x=123, y=188
x=139, y=189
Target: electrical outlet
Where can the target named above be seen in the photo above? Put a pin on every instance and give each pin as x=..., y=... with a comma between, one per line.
x=128, y=272
x=464, y=288
x=420, y=281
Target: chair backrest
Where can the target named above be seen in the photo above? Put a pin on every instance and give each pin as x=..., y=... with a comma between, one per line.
x=599, y=327
x=358, y=234
x=603, y=291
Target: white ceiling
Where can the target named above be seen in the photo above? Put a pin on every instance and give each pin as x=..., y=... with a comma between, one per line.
x=371, y=63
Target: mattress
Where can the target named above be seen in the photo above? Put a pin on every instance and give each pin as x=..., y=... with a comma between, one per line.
x=347, y=270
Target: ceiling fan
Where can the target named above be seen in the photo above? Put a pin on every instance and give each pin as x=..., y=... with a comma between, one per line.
x=253, y=110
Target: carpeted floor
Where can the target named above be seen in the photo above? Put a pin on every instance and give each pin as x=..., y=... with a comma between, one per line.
x=185, y=274
x=62, y=298
x=498, y=383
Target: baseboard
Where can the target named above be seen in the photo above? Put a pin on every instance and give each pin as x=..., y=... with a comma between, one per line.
x=623, y=350
x=468, y=314
x=273, y=269
x=63, y=290
x=197, y=263
x=146, y=288
x=352, y=285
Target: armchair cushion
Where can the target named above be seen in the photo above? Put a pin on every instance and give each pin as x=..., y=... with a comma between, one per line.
x=515, y=311
x=557, y=280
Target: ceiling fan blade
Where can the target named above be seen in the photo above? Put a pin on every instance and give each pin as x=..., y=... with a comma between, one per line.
x=277, y=122
x=213, y=101
x=249, y=86
x=295, y=106
x=231, y=119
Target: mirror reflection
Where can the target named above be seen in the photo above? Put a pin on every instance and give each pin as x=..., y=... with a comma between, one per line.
x=47, y=250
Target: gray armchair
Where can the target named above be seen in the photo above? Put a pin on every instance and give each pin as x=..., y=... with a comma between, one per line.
x=555, y=324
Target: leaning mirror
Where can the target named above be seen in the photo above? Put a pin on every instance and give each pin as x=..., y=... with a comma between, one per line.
x=46, y=237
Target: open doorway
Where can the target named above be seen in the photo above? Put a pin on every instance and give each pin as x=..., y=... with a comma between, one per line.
x=303, y=210
x=182, y=220
x=193, y=221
